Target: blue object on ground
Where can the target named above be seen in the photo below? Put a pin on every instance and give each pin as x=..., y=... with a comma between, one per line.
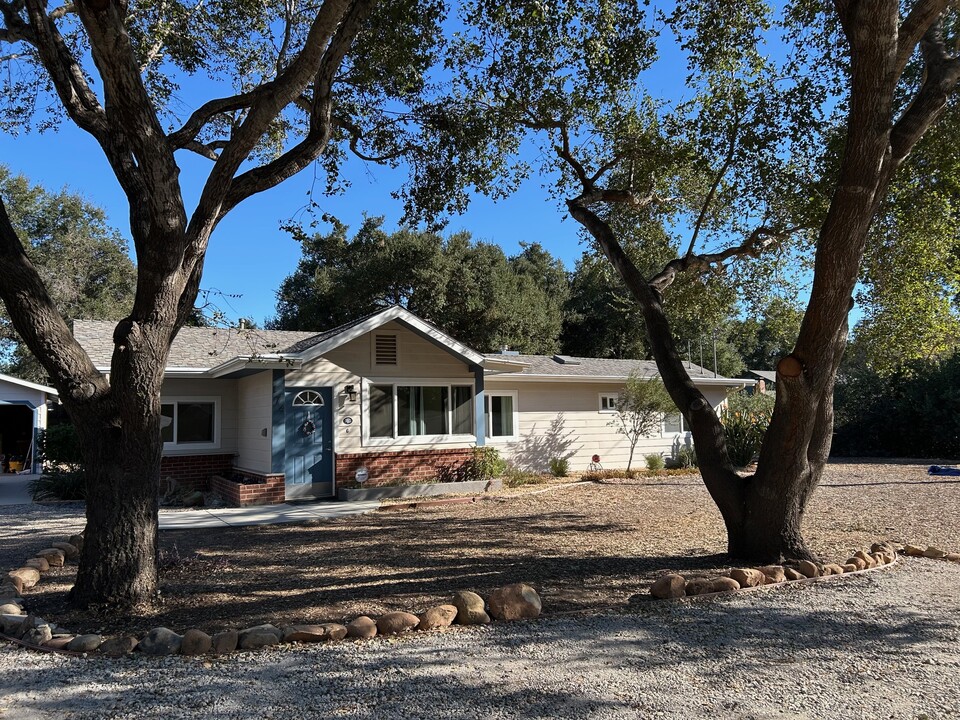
x=941, y=470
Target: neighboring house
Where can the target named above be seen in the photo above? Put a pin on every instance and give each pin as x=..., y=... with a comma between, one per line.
x=389, y=396
x=23, y=413
x=766, y=381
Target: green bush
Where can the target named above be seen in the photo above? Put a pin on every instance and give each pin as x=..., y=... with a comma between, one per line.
x=745, y=422
x=515, y=477
x=559, y=467
x=59, y=485
x=654, y=461
x=484, y=464
x=686, y=457
x=58, y=448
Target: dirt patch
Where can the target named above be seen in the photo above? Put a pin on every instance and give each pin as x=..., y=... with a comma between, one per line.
x=582, y=547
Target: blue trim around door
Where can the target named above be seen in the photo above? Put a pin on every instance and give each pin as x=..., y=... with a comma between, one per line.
x=309, y=437
x=279, y=429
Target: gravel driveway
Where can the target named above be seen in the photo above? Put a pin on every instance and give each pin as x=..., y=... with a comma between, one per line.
x=879, y=645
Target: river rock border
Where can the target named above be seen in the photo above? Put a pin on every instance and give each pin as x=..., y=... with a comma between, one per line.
x=518, y=601
x=673, y=586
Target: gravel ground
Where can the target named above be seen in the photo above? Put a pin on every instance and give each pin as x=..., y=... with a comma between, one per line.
x=879, y=645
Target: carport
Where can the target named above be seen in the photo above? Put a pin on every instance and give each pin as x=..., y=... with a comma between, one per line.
x=23, y=413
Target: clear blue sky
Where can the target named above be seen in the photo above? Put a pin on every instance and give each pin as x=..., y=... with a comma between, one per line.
x=249, y=255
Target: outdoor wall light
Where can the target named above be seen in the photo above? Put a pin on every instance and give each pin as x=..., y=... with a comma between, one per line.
x=351, y=392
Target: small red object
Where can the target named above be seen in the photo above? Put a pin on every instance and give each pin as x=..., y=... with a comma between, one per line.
x=595, y=458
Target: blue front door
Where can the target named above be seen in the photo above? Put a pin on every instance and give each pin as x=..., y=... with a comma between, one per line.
x=309, y=446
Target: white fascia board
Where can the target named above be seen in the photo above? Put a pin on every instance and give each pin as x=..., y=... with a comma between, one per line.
x=27, y=384
x=732, y=383
x=504, y=366
x=380, y=319
x=261, y=362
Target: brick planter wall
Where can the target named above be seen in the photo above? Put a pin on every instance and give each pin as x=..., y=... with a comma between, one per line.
x=193, y=472
x=271, y=492
x=410, y=465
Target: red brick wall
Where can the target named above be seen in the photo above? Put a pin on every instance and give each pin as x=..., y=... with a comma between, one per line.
x=384, y=467
x=194, y=471
x=271, y=492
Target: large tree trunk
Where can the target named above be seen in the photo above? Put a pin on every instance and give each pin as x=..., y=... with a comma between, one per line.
x=122, y=450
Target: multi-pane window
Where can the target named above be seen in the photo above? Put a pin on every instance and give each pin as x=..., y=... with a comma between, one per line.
x=420, y=410
x=673, y=423
x=608, y=402
x=188, y=422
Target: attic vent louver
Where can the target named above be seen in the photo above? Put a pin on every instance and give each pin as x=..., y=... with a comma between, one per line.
x=566, y=360
x=385, y=350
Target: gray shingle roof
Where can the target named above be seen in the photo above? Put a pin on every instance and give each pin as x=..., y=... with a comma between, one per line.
x=194, y=347
x=592, y=367
x=768, y=375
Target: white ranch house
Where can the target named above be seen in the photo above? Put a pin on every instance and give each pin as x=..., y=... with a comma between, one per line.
x=388, y=395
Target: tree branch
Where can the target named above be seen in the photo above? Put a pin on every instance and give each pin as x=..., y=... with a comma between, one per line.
x=728, y=160
x=918, y=21
x=38, y=322
x=941, y=77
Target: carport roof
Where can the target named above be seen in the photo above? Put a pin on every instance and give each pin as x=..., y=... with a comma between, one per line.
x=27, y=384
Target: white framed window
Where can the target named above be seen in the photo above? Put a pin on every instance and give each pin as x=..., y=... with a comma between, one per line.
x=399, y=410
x=501, y=415
x=385, y=350
x=673, y=423
x=608, y=402
x=190, y=423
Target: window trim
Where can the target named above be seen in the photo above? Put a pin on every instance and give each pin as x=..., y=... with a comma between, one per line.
x=608, y=395
x=488, y=416
x=393, y=383
x=670, y=433
x=175, y=400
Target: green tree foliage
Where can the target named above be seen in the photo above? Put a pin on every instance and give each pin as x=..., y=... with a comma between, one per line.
x=471, y=290
x=83, y=261
x=762, y=339
x=640, y=408
x=911, y=412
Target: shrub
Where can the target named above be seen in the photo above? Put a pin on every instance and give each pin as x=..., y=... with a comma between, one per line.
x=745, y=422
x=484, y=464
x=686, y=457
x=515, y=477
x=59, y=484
x=654, y=461
x=559, y=467
x=58, y=447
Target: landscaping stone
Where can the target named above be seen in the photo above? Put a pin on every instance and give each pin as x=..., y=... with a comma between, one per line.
x=59, y=642
x=793, y=574
x=258, y=637
x=669, y=586
x=161, y=641
x=518, y=601
x=10, y=624
x=834, y=569
x=324, y=632
x=748, y=577
x=39, y=563
x=53, y=556
x=724, y=584
x=439, y=616
x=362, y=628
x=224, y=642
x=808, y=569
x=883, y=546
x=470, y=608
x=70, y=551
x=11, y=586
x=934, y=553
x=913, y=550
x=698, y=586
x=85, y=643
x=870, y=562
x=773, y=574
x=10, y=609
x=195, y=642
x=952, y=557
x=76, y=541
x=34, y=630
x=394, y=623
x=850, y=567
x=28, y=577
x=859, y=562
x=118, y=646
